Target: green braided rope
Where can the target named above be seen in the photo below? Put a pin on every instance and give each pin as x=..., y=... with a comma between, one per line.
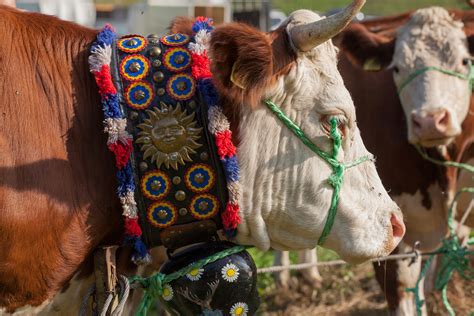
x=153, y=285
x=469, y=77
x=455, y=256
x=338, y=168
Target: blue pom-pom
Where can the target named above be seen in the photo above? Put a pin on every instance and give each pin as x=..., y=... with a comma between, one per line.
x=126, y=180
x=140, y=254
x=203, y=25
x=105, y=37
x=207, y=89
x=110, y=106
x=231, y=168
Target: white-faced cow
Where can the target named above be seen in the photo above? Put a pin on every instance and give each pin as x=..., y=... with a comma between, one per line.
x=421, y=96
x=57, y=200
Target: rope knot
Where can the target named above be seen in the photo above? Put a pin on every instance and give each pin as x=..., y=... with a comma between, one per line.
x=336, y=178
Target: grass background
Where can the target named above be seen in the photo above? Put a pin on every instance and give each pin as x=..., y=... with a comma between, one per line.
x=372, y=7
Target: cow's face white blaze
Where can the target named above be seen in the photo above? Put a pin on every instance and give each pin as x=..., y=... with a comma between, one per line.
x=435, y=103
x=286, y=196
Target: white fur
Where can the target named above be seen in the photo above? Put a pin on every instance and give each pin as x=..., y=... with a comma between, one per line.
x=285, y=193
x=433, y=38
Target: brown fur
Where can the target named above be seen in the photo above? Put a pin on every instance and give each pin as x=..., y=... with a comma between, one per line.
x=57, y=186
x=401, y=168
x=246, y=53
x=181, y=24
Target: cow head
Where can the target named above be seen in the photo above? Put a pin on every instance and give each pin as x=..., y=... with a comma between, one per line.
x=428, y=52
x=286, y=196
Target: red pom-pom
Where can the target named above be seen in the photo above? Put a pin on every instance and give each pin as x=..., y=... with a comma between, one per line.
x=201, y=66
x=132, y=228
x=104, y=81
x=122, y=152
x=231, y=217
x=225, y=147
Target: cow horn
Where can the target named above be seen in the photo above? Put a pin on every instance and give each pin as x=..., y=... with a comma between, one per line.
x=307, y=36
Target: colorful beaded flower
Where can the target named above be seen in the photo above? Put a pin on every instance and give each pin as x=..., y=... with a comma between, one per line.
x=199, y=178
x=134, y=67
x=175, y=39
x=132, y=44
x=155, y=185
x=162, y=214
x=177, y=59
x=139, y=95
x=181, y=87
x=204, y=206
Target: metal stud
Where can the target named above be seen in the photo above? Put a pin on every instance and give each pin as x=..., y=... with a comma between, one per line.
x=181, y=86
x=174, y=156
x=156, y=185
x=133, y=115
x=183, y=212
x=176, y=37
x=192, y=104
x=139, y=95
x=179, y=59
x=203, y=206
x=162, y=214
x=161, y=92
x=158, y=76
x=176, y=180
x=153, y=41
x=156, y=63
x=132, y=42
x=150, y=36
x=134, y=67
x=199, y=178
x=155, y=52
x=143, y=166
x=204, y=156
x=180, y=195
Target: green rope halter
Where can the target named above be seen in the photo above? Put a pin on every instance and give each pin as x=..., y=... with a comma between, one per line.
x=338, y=168
x=455, y=256
x=469, y=77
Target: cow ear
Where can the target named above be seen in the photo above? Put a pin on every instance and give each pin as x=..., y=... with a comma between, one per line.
x=242, y=63
x=182, y=24
x=366, y=49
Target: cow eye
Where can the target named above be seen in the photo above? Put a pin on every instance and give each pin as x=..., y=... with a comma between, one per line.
x=396, y=69
x=466, y=61
x=341, y=124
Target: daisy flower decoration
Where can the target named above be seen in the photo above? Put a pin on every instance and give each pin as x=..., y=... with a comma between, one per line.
x=167, y=293
x=195, y=274
x=230, y=272
x=239, y=309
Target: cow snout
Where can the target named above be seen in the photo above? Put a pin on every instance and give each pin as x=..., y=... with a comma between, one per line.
x=398, y=228
x=432, y=126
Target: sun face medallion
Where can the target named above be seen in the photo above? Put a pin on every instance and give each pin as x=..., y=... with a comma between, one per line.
x=168, y=136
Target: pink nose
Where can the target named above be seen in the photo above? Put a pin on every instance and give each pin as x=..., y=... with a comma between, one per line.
x=398, y=227
x=432, y=125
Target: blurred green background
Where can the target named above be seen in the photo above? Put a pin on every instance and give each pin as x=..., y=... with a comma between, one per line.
x=372, y=7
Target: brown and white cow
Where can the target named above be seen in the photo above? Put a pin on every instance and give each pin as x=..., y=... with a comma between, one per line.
x=57, y=187
x=434, y=110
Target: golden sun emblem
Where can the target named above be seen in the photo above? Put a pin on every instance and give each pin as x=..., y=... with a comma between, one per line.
x=169, y=136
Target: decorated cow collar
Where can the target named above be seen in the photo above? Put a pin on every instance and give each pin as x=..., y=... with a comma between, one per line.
x=177, y=167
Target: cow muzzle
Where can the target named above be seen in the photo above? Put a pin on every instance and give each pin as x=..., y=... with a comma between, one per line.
x=434, y=128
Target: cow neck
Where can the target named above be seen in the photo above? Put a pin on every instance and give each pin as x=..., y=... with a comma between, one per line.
x=177, y=168
x=336, y=178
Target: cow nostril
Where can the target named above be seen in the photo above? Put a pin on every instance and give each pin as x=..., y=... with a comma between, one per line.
x=398, y=227
x=442, y=119
x=416, y=121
